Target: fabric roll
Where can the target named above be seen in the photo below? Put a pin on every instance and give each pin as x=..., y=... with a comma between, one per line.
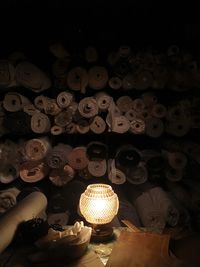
x=131, y=114
x=127, y=156
x=9, y=172
x=61, y=177
x=124, y=103
x=149, y=99
x=31, y=77
x=27, y=190
x=137, y=175
x=96, y=151
x=97, y=168
x=51, y=107
x=154, y=127
x=129, y=82
x=98, y=125
x=158, y=111
x=175, y=113
x=60, y=218
x=8, y=198
x=57, y=130
x=178, y=128
x=173, y=175
x=147, y=154
x=37, y=148
x=98, y=77
x=30, y=109
x=63, y=118
x=7, y=73
x=124, y=51
x=27, y=209
x=58, y=50
x=138, y=105
x=115, y=175
x=88, y=107
x=120, y=124
x=103, y=101
x=85, y=174
x=73, y=107
x=137, y=126
x=78, y=159
x=60, y=68
x=115, y=83
x=70, y=128
x=91, y=54
x=64, y=99
x=176, y=160
x=40, y=123
x=82, y=126
x=33, y=171
x=40, y=101
x=14, y=102
x=144, y=80
x=58, y=156
x=77, y=79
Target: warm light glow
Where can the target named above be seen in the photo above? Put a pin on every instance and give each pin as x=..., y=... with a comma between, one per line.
x=99, y=204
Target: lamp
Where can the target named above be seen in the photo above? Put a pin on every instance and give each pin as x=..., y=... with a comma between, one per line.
x=98, y=205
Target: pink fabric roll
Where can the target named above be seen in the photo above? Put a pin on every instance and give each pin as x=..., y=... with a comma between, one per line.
x=78, y=159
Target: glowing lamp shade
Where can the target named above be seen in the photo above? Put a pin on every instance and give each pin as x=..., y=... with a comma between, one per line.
x=99, y=204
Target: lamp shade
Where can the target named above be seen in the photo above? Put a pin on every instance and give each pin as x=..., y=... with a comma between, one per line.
x=99, y=204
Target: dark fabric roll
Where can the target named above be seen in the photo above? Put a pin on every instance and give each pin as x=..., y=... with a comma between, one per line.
x=97, y=151
x=26, y=191
x=127, y=156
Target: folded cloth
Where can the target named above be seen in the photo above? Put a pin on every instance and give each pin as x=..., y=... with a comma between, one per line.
x=61, y=177
x=59, y=155
x=8, y=198
x=37, y=148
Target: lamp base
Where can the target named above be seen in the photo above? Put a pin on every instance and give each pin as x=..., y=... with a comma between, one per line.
x=102, y=233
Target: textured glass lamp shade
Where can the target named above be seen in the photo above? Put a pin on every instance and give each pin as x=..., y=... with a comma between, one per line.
x=99, y=204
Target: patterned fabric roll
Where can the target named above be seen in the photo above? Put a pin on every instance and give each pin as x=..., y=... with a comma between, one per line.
x=37, y=148
x=98, y=125
x=58, y=156
x=14, y=102
x=7, y=73
x=64, y=99
x=98, y=77
x=61, y=177
x=40, y=123
x=51, y=107
x=77, y=79
x=137, y=126
x=8, y=198
x=88, y=107
x=78, y=159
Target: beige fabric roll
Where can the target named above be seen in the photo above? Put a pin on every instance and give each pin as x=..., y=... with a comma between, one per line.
x=57, y=130
x=58, y=156
x=154, y=127
x=37, y=148
x=29, y=208
x=88, y=107
x=40, y=123
x=115, y=83
x=40, y=101
x=120, y=124
x=58, y=50
x=138, y=105
x=51, y=107
x=137, y=175
x=97, y=168
x=113, y=112
x=82, y=126
x=77, y=79
x=33, y=171
x=30, y=109
x=124, y=103
x=115, y=175
x=64, y=99
x=98, y=125
x=14, y=102
x=30, y=76
x=91, y=54
x=70, y=128
x=159, y=111
x=178, y=128
x=61, y=177
x=8, y=198
x=78, y=159
x=131, y=114
x=60, y=218
x=9, y=172
x=137, y=126
x=73, y=107
x=176, y=160
x=149, y=99
x=124, y=51
x=98, y=77
x=63, y=118
x=7, y=73
x=103, y=101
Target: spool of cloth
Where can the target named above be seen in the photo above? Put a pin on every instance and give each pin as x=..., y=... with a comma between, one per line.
x=84, y=174
x=128, y=82
x=59, y=155
x=10, y=152
x=103, y=101
x=127, y=156
x=61, y=177
x=73, y=107
x=158, y=111
x=173, y=175
x=144, y=80
x=8, y=198
x=115, y=175
x=64, y=99
x=131, y=114
x=115, y=83
x=124, y=51
x=149, y=99
x=30, y=109
x=137, y=126
x=39, y=102
x=78, y=159
x=33, y=171
x=77, y=79
x=31, y=77
x=175, y=113
x=7, y=73
x=137, y=175
x=60, y=218
x=51, y=107
x=97, y=168
x=40, y=123
x=120, y=124
x=82, y=126
x=27, y=209
x=91, y=54
x=70, y=128
x=124, y=103
x=178, y=128
x=14, y=102
x=97, y=151
x=18, y=123
x=9, y=172
x=138, y=105
x=98, y=125
x=98, y=77
x=59, y=51
x=37, y=148
x=88, y=107
x=63, y=118
x=57, y=130
x=154, y=127
x=177, y=160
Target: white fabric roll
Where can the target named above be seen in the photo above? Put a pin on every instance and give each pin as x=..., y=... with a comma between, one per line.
x=77, y=79
x=37, y=148
x=120, y=124
x=103, y=100
x=64, y=99
x=115, y=83
x=60, y=218
x=124, y=103
x=88, y=107
x=154, y=127
x=115, y=175
x=82, y=126
x=137, y=126
x=14, y=102
x=57, y=130
x=97, y=168
x=98, y=77
x=7, y=73
x=8, y=199
x=40, y=123
x=29, y=208
x=98, y=125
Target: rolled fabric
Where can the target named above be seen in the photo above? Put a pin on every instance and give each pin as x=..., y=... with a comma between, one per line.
x=14, y=102
x=115, y=83
x=33, y=171
x=27, y=209
x=9, y=172
x=98, y=77
x=7, y=73
x=97, y=151
x=129, y=82
x=120, y=124
x=60, y=218
x=57, y=130
x=173, y=175
x=60, y=68
x=175, y=113
x=51, y=107
x=159, y=111
x=103, y=101
x=63, y=118
x=124, y=51
x=77, y=79
x=137, y=126
x=82, y=126
x=124, y=103
x=176, y=160
x=154, y=127
x=85, y=174
x=40, y=101
x=115, y=175
x=97, y=168
x=127, y=156
x=64, y=99
x=178, y=128
x=37, y=148
x=30, y=109
x=70, y=128
x=58, y=50
x=8, y=199
x=61, y=177
x=98, y=125
x=73, y=107
x=144, y=80
x=131, y=114
x=31, y=77
x=137, y=175
x=149, y=99
x=78, y=159
x=138, y=105
x=40, y=123
x=88, y=107
x=58, y=156
x=91, y=54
